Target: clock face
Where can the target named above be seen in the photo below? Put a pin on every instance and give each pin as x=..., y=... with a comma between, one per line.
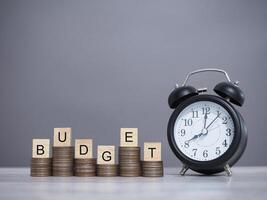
x=204, y=131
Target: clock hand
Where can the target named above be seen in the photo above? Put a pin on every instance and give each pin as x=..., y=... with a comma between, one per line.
x=193, y=138
x=205, y=119
x=205, y=129
x=213, y=120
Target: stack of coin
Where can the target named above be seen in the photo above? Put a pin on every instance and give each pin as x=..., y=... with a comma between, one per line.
x=129, y=159
x=152, y=168
x=85, y=167
x=41, y=167
x=107, y=170
x=63, y=161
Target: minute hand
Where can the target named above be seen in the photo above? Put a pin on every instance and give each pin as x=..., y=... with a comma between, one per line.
x=213, y=121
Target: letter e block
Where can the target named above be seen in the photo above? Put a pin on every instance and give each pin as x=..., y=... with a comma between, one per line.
x=105, y=155
x=83, y=148
x=152, y=151
x=129, y=137
x=62, y=137
x=40, y=148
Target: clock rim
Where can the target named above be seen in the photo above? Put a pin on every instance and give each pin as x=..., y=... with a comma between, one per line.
x=217, y=164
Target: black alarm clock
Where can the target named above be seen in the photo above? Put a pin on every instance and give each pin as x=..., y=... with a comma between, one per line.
x=206, y=132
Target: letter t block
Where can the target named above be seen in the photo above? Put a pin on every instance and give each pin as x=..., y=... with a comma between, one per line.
x=152, y=151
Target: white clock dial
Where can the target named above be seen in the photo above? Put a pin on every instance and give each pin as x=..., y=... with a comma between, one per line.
x=204, y=131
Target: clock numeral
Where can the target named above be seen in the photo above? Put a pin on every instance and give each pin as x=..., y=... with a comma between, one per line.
x=182, y=132
x=195, y=114
x=225, y=120
x=205, y=153
x=228, y=132
x=188, y=122
x=186, y=144
x=194, y=151
x=224, y=143
x=205, y=110
x=218, y=151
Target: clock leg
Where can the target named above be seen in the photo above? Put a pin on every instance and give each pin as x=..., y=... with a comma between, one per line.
x=228, y=170
x=184, y=170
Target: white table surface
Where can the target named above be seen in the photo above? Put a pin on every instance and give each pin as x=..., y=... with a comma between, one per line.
x=246, y=183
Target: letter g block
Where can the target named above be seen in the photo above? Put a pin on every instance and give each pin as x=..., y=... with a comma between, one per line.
x=106, y=155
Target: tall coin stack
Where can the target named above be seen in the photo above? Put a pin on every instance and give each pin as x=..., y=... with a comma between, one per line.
x=129, y=153
x=63, y=153
x=84, y=163
x=40, y=162
x=62, y=164
x=129, y=159
x=106, y=161
x=152, y=166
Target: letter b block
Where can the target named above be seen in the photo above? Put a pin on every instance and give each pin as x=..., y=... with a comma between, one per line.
x=129, y=137
x=40, y=148
x=152, y=151
x=62, y=137
x=105, y=155
x=83, y=148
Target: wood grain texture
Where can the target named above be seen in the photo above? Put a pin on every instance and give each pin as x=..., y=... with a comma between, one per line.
x=40, y=148
x=84, y=148
x=152, y=151
x=129, y=137
x=105, y=155
x=62, y=137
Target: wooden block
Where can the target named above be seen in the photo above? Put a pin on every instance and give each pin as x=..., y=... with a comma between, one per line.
x=129, y=137
x=106, y=155
x=83, y=148
x=152, y=151
x=40, y=148
x=62, y=137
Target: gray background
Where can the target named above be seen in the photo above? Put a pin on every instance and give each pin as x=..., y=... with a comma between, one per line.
x=100, y=65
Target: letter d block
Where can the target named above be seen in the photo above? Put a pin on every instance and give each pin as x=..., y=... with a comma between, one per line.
x=83, y=148
x=152, y=151
x=40, y=148
x=62, y=137
x=106, y=155
x=129, y=137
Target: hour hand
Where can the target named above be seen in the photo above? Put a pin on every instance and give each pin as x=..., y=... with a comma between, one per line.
x=193, y=138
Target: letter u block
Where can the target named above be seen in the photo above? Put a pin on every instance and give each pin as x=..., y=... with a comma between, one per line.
x=62, y=137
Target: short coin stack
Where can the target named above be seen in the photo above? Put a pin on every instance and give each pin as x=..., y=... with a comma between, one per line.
x=107, y=170
x=129, y=160
x=85, y=167
x=62, y=164
x=152, y=168
x=106, y=161
x=41, y=167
